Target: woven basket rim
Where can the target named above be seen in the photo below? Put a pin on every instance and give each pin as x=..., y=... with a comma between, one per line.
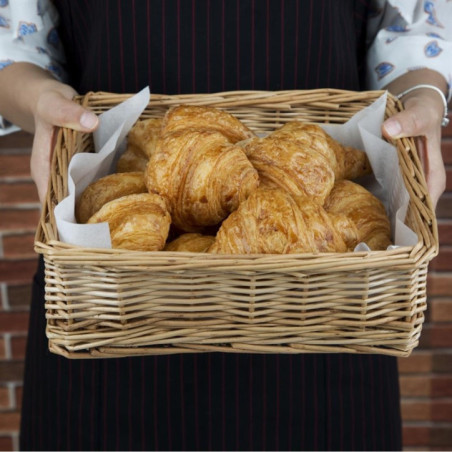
x=424, y=250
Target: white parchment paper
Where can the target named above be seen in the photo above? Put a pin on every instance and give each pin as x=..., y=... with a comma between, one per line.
x=362, y=131
x=85, y=168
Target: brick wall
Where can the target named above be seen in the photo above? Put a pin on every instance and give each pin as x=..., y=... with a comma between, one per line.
x=19, y=213
x=426, y=376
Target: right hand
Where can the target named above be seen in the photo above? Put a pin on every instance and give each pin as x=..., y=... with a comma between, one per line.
x=54, y=108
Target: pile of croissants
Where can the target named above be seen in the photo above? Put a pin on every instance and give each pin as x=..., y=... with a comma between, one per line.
x=199, y=180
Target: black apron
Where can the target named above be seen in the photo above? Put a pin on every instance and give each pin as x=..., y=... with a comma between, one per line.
x=209, y=401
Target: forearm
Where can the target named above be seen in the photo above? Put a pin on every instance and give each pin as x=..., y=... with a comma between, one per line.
x=417, y=77
x=21, y=85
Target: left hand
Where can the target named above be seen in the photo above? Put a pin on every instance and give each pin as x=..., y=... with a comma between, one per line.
x=422, y=119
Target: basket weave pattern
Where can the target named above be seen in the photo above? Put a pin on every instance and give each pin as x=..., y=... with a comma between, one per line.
x=105, y=303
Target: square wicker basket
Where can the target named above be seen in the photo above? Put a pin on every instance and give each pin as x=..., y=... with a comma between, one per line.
x=110, y=303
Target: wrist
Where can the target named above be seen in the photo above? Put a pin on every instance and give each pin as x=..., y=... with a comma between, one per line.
x=429, y=95
x=417, y=77
x=425, y=86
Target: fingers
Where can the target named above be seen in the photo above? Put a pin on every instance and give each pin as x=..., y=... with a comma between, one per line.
x=56, y=109
x=422, y=119
x=40, y=161
x=433, y=167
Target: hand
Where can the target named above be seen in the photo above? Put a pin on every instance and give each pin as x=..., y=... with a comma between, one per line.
x=54, y=107
x=422, y=119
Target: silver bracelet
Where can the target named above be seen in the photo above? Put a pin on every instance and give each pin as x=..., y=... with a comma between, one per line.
x=445, y=120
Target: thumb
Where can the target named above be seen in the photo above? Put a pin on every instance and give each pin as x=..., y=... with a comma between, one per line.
x=422, y=115
x=56, y=109
x=408, y=123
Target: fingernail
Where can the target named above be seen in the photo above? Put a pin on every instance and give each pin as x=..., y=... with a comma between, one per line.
x=393, y=128
x=88, y=120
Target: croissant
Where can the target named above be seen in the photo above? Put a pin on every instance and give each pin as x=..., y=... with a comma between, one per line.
x=106, y=189
x=144, y=134
x=205, y=118
x=132, y=159
x=202, y=175
x=282, y=162
x=364, y=209
x=192, y=242
x=137, y=222
x=346, y=161
x=271, y=221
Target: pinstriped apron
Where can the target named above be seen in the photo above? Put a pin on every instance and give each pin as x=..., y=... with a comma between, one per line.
x=210, y=401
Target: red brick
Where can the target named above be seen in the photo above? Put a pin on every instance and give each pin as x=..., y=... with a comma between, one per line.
x=445, y=232
x=2, y=346
x=15, y=166
x=441, y=386
x=416, y=410
x=443, y=261
x=442, y=362
x=439, y=284
x=444, y=207
x=18, y=346
x=14, y=321
x=23, y=219
x=11, y=371
x=441, y=336
x=446, y=148
x=415, y=435
x=448, y=178
x=19, y=392
x=9, y=421
x=19, y=296
x=440, y=310
x=19, y=245
x=441, y=436
x=16, y=140
x=6, y=443
x=427, y=436
x=18, y=193
x=4, y=398
x=415, y=386
x=426, y=410
x=17, y=271
x=441, y=411
x=436, y=335
x=418, y=362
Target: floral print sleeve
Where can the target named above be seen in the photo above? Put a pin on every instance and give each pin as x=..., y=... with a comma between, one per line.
x=405, y=35
x=28, y=34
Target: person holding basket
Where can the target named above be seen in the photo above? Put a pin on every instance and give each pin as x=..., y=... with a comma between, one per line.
x=50, y=51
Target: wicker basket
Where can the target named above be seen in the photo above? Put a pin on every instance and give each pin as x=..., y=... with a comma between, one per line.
x=110, y=303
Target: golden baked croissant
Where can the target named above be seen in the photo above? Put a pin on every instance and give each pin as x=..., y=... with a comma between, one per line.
x=282, y=162
x=144, y=134
x=271, y=221
x=364, y=209
x=191, y=241
x=141, y=141
x=106, y=189
x=137, y=222
x=346, y=161
x=202, y=175
x=132, y=159
x=205, y=118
